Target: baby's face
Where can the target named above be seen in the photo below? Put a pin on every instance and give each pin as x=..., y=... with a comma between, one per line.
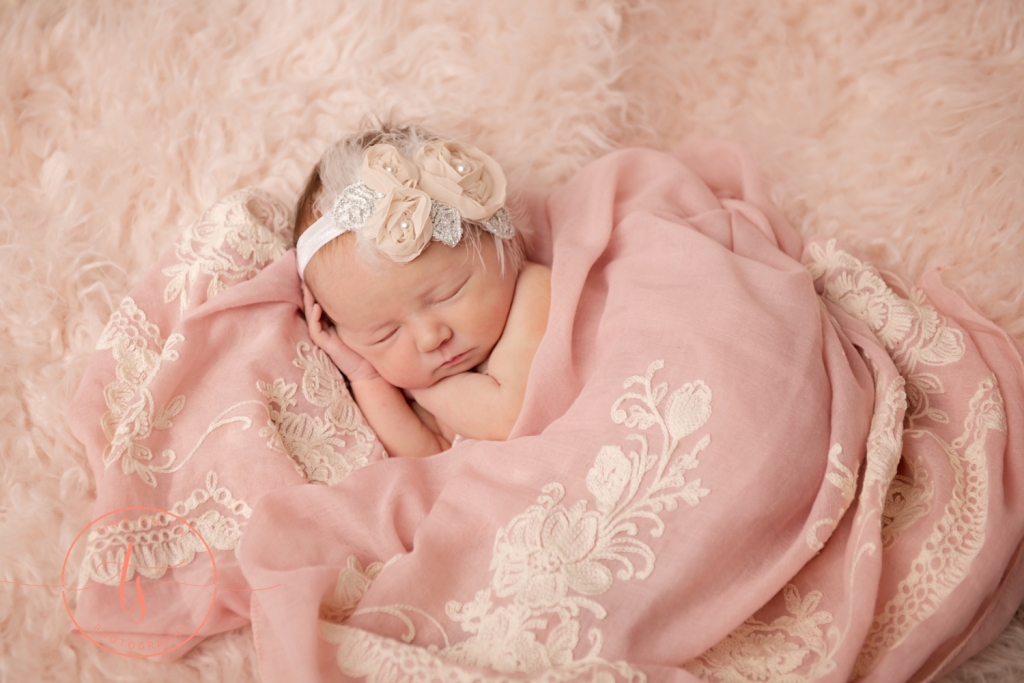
x=417, y=322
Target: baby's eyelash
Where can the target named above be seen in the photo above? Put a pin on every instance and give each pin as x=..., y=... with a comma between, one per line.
x=386, y=337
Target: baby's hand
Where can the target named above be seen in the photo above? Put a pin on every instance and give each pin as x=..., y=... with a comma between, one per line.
x=354, y=366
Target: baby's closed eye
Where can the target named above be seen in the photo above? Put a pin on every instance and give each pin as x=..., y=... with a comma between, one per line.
x=380, y=339
x=452, y=293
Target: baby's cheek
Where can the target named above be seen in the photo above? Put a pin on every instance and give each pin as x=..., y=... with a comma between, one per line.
x=400, y=369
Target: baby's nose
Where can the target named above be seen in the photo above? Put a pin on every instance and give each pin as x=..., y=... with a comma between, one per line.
x=431, y=334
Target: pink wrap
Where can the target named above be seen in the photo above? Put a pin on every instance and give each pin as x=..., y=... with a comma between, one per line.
x=739, y=459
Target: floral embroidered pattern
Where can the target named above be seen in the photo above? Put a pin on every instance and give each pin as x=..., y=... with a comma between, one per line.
x=251, y=223
x=885, y=437
x=314, y=443
x=916, y=335
x=361, y=654
x=956, y=538
x=160, y=541
x=790, y=649
x=908, y=499
x=132, y=415
x=353, y=582
x=552, y=561
x=911, y=331
x=843, y=478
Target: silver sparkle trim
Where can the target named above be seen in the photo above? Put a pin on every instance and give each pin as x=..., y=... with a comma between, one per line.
x=447, y=223
x=500, y=224
x=354, y=206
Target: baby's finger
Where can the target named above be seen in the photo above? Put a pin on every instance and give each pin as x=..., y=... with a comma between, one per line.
x=316, y=323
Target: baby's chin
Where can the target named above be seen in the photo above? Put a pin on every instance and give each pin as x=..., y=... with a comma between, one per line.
x=413, y=383
x=423, y=382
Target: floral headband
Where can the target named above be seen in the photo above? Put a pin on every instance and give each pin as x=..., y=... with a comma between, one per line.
x=402, y=204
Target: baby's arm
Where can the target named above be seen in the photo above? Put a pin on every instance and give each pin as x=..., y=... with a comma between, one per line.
x=400, y=430
x=485, y=406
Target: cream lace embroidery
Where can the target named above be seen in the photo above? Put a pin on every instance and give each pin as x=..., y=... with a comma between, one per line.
x=908, y=499
x=553, y=561
x=314, y=443
x=353, y=582
x=915, y=335
x=775, y=651
x=160, y=541
x=132, y=415
x=911, y=331
x=250, y=222
x=382, y=660
x=885, y=437
x=844, y=479
x=955, y=540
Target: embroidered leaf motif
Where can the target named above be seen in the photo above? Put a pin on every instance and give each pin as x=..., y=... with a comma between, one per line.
x=956, y=538
x=163, y=418
x=688, y=408
x=909, y=329
x=561, y=642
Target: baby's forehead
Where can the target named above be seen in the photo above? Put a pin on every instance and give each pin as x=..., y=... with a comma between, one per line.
x=355, y=286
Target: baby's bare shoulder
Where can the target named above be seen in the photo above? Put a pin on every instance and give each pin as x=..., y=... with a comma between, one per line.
x=526, y=324
x=534, y=282
x=528, y=317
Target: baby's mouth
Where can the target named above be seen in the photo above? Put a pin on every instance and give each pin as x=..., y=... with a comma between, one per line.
x=455, y=360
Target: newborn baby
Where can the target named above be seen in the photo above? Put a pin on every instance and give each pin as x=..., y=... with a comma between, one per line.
x=415, y=284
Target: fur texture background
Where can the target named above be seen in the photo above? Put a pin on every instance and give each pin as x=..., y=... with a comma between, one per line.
x=897, y=125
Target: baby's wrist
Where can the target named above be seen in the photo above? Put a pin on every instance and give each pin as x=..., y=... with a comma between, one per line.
x=370, y=380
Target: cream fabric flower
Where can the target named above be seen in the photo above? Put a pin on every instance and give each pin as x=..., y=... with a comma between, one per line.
x=384, y=167
x=461, y=176
x=400, y=223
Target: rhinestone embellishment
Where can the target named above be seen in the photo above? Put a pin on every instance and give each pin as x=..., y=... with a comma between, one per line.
x=354, y=206
x=500, y=224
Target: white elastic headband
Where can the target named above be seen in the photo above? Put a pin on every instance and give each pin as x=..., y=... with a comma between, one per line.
x=316, y=236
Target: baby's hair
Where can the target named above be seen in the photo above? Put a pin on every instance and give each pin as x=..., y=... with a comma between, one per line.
x=341, y=165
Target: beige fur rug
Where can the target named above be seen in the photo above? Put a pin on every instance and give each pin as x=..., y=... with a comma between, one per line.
x=897, y=125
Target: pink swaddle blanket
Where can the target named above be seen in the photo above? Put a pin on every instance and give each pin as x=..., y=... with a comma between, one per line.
x=740, y=458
